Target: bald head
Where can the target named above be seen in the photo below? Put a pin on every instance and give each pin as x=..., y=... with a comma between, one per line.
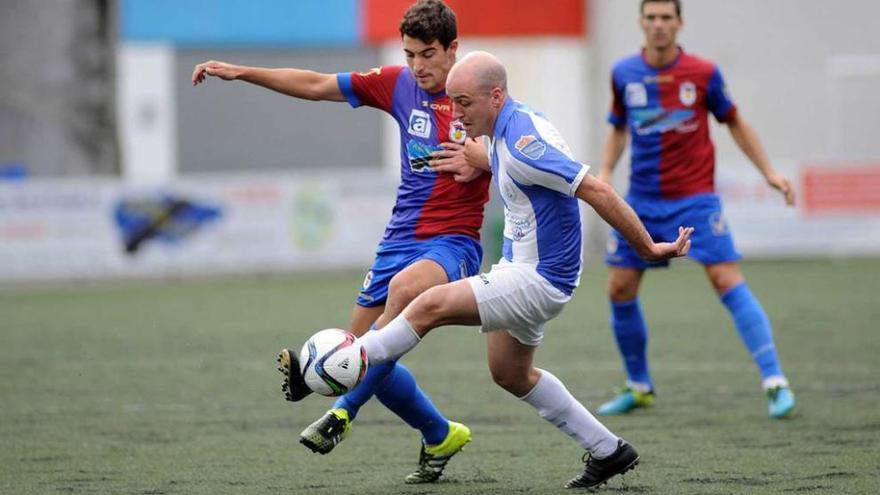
x=477, y=85
x=478, y=71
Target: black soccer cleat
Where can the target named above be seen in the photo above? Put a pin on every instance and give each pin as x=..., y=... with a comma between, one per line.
x=598, y=471
x=326, y=433
x=293, y=385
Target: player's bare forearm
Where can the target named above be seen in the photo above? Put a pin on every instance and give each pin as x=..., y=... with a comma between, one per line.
x=614, y=210
x=304, y=84
x=476, y=154
x=615, y=143
x=747, y=140
x=298, y=83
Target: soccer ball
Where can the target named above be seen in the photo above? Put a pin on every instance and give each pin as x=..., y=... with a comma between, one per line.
x=333, y=362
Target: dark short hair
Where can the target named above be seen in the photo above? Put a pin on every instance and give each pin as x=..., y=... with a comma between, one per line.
x=429, y=20
x=676, y=2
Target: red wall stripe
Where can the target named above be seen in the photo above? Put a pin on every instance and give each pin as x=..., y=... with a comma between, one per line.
x=381, y=18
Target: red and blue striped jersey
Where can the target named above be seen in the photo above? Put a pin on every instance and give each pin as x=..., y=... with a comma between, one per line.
x=666, y=110
x=429, y=204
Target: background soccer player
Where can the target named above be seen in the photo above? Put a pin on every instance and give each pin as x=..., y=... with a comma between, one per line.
x=662, y=98
x=433, y=235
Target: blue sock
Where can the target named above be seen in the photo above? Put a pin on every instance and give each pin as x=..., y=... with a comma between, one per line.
x=396, y=389
x=402, y=395
x=754, y=328
x=631, y=333
x=354, y=400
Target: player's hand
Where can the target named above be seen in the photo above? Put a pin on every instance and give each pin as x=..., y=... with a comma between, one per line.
x=782, y=184
x=224, y=71
x=453, y=159
x=665, y=250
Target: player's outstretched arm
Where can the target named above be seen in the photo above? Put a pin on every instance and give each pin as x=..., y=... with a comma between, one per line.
x=466, y=162
x=747, y=139
x=614, y=210
x=615, y=143
x=304, y=84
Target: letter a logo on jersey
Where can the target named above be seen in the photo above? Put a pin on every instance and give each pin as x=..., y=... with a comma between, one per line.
x=420, y=124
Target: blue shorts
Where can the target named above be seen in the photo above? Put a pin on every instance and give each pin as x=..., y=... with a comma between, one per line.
x=459, y=255
x=711, y=241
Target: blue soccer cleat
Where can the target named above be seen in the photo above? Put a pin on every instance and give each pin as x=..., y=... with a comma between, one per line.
x=627, y=400
x=780, y=402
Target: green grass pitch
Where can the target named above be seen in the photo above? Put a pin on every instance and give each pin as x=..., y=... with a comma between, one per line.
x=149, y=388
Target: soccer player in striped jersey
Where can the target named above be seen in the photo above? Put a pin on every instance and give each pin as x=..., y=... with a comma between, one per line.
x=662, y=98
x=433, y=235
x=540, y=183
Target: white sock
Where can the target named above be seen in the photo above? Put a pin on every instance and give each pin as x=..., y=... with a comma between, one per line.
x=556, y=404
x=774, y=381
x=391, y=341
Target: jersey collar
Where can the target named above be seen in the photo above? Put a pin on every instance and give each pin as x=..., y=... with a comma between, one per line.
x=667, y=66
x=504, y=116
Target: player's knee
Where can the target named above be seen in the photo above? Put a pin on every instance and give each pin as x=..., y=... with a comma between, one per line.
x=402, y=291
x=622, y=290
x=510, y=379
x=429, y=306
x=724, y=277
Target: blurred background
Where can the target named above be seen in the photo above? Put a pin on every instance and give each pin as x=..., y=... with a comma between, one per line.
x=113, y=166
x=173, y=203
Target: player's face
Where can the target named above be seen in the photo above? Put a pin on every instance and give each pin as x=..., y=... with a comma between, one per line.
x=661, y=23
x=475, y=108
x=429, y=62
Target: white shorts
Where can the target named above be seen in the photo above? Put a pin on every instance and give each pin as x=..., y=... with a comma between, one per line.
x=515, y=298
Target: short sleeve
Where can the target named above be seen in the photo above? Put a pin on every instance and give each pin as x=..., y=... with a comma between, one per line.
x=718, y=98
x=617, y=114
x=537, y=162
x=374, y=88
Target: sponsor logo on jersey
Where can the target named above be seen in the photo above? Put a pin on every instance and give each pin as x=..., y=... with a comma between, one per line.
x=419, y=155
x=457, y=132
x=419, y=124
x=443, y=107
x=659, y=120
x=375, y=71
x=687, y=93
x=664, y=79
x=484, y=278
x=530, y=146
x=636, y=95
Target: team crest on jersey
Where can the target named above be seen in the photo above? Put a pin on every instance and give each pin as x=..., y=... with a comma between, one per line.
x=636, y=95
x=419, y=124
x=687, y=93
x=457, y=132
x=530, y=146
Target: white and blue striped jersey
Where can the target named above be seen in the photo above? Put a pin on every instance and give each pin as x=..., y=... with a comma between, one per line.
x=537, y=178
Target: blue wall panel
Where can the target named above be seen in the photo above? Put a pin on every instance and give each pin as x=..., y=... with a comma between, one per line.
x=263, y=23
